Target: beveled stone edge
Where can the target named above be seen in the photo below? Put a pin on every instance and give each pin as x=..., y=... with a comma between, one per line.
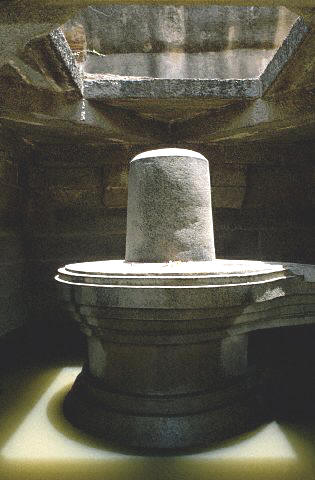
x=121, y=277
x=284, y=53
x=115, y=86
x=144, y=87
x=63, y=49
x=175, y=268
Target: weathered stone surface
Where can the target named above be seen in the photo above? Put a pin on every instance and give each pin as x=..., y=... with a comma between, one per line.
x=12, y=281
x=116, y=189
x=42, y=98
x=75, y=246
x=234, y=280
x=228, y=196
x=283, y=54
x=168, y=355
x=70, y=219
x=65, y=73
x=286, y=115
x=167, y=340
x=57, y=126
x=100, y=87
x=237, y=243
x=13, y=313
x=259, y=3
x=169, y=207
x=180, y=43
x=197, y=28
x=285, y=244
x=234, y=65
x=13, y=306
x=241, y=64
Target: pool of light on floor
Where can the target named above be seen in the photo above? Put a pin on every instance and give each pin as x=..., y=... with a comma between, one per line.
x=38, y=443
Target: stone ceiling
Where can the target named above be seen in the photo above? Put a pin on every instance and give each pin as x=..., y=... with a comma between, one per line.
x=43, y=97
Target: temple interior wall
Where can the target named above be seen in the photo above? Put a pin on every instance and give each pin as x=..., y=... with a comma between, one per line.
x=67, y=203
x=13, y=310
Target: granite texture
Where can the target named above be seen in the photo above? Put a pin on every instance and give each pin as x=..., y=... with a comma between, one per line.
x=284, y=53
x=169, y=214
x=196, y=28
x=167, y=354
x=98, y=87
x=63, y=50
x=177, y=51
x=42, y=107
x=168, y=333
x=225, y=74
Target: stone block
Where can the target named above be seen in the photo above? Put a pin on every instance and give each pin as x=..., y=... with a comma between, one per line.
x=9, y=199
x=11, y=250
x=13, y=313
x=227, y=218
x=276, y=217
x=73, y=197
x=39, y=216
x=78, y=177
x=8, y=171
x=116, y=197
x=288, y=245
x=228, y=196
x=54, y=197
x=62, y=176
x=194, y=28
x=93, y=220
x=280, y=186
x=228, y=175
x=76, y=186
x=75, y=247
x=12, y=279
x=40, y=272
x=264, y=219
x=236, y=244
x=116, y=184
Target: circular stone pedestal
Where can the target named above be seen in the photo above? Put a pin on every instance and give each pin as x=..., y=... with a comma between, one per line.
x=167, y=365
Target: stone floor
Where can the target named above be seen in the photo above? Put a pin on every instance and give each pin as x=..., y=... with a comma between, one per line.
x=36, y=442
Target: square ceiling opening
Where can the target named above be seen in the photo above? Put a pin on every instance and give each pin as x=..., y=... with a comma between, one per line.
x=181, y=51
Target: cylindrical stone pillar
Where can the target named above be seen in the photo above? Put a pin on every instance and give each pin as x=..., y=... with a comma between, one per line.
x=169, y=207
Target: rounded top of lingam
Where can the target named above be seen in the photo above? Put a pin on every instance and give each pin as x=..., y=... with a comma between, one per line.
x=169, y=152
x=169, y=215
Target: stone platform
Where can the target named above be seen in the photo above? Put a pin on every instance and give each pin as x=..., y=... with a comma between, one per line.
x=167, y=363
x=168, y=327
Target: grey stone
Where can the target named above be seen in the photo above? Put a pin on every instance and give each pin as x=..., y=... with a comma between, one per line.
x=150, y=363
x=240, y=51
x=226, y=64
x=75, y=246
x=169, y=215
x=100, y=87
x=284, y=53
x=168, y=340
x=64, y=52
x=216, y=71
x=194, y=28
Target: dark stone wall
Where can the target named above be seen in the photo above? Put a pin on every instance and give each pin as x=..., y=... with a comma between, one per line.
x=13, y=310
x=67, y=203
x=66, y=220
x=76, y=200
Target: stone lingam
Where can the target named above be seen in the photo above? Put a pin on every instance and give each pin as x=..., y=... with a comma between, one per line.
x=168, y=327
